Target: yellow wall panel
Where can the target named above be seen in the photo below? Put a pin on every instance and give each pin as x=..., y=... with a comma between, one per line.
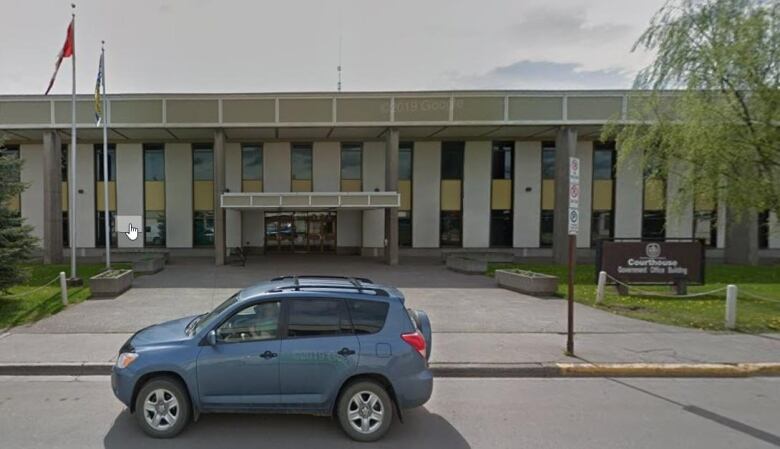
x=203, y=195
x=154, y=195
x=501, y=198
x=14, y=203
x=602, y=194
x=64, y=195
x=704, y=202
x=405, y=189
x=654, y=194
x=252, y=186
x=450, y=194
x=111, y=195
x=301, y=185
x=351, y=185
x=548, y=194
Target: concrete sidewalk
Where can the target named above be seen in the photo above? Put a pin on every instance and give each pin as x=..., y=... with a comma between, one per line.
x=475, y=324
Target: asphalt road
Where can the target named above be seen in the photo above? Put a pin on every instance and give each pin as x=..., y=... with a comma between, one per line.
x=61, y=412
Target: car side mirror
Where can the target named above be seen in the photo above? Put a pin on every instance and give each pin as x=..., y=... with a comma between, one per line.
x=211, y=338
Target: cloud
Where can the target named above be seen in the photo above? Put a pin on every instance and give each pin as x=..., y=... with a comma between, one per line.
x=552, y=26
x=542, y=75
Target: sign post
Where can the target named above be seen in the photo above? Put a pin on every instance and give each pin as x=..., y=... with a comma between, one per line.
x=574, y=227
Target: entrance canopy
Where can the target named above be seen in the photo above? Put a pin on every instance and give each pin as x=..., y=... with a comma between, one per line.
x=310, y=200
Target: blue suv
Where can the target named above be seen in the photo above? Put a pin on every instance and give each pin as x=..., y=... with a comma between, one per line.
x=324, y=345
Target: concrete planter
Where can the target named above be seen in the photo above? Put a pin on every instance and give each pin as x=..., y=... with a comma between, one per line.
x=111, y=283
x=149, y=265
x=527, y=282
x=466, y=265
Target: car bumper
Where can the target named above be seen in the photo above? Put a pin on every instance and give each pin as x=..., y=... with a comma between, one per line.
x=122, y=383
x=415, y=390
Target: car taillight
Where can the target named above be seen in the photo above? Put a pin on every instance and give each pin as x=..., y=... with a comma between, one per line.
x=416, y=340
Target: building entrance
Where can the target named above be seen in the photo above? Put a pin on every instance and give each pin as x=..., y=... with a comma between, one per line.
x=302, y=232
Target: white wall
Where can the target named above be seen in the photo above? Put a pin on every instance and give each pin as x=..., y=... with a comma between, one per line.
x=426, y=179
x=233, y=183
x=129, y=188
x=326, y=169
x=628, y=198
x=276, y=167
x=85, y=202
x=774, y=231
x=374, y=178
x=527, y=204
x=679, y=217
x=585, y=153
x=721, y=233
x=178, y=195
x=476, y=194
x=349, y=227
x=32, y=197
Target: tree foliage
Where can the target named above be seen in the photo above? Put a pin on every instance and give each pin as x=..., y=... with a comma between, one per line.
x=16, y=241
x=707, y=109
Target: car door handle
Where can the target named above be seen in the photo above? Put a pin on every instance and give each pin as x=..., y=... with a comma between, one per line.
x=345, y=352
x=268, y=355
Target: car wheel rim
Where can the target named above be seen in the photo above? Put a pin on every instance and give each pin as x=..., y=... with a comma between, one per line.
x=161, y=409
x=365, y=412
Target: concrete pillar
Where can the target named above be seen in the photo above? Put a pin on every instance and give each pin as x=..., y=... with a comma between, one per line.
x=391, y=185
x=741, y=238
x=679, y=210
x=565, y=147
x=52, y=198
x=628, y=197
x=129, y=187
x=426, y=194
x=476, y=194
x=528, y=196
x=373, y=243
x=585, y=153
x=219, y=188
x=233, y=217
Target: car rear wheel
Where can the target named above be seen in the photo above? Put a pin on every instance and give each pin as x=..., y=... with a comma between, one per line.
x=365, y=411
x=162, y=408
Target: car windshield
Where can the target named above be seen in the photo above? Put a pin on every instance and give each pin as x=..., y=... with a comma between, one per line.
x=206, y=320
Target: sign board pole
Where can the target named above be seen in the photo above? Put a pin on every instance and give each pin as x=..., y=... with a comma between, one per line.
x=574, y=226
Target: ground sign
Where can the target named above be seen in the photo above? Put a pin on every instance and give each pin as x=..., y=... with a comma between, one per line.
x=652, y=262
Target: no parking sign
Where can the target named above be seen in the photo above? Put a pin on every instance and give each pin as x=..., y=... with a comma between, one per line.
x=574, y=195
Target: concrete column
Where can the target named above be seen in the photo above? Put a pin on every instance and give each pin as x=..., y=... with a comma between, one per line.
x=476, y=194
x=129, y=187
x=565, y=147
x=219, y=188
x=178, y=195
x=391, y=185
x=85, y=196
x=774, y=231
x=628, y=198
x=233, y=217
x=585, y=153
x=52, y=198
x=528, y=194
x=679, y=210
x=426, y=194
x=741, y=238
x=373, y=180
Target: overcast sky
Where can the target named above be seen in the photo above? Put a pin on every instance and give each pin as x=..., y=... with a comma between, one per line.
x=293, y=45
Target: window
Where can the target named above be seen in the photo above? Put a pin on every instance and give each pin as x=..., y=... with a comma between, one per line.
x=405, y=190
x=203, y=195
x=368, y=317
x=501, y=194
x=602, y=218
x=351, y=167
x=15, y=203
x=763, y=229
x=548, y=194
x=317, y=317
x=154, y=195
x=301, y=164
x=654, y=204
x=251, y=168
x=451, y=217
x=253, y=323
x=65, y=195
x=100, y=217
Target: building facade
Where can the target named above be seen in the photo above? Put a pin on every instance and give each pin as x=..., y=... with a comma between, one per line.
x=360, y=173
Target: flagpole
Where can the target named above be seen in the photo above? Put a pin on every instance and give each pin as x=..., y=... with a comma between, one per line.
x=72, y=183
x=105, y=156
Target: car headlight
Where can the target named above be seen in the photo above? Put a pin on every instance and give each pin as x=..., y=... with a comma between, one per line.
x=125, y=359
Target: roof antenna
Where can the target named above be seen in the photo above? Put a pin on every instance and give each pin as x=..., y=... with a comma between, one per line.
x=338, y=68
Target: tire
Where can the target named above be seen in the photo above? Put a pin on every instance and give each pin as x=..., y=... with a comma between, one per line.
x=364, y=402
x=161, y=400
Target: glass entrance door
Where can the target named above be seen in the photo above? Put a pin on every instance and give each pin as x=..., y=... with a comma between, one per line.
x=302, y=232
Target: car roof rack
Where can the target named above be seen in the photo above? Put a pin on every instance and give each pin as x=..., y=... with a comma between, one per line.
x=355, y=286
x=316, y=276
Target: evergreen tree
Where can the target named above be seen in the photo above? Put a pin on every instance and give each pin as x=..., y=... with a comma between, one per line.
x=16, y=240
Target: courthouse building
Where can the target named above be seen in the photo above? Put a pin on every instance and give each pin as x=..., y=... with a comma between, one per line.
x=347, y=173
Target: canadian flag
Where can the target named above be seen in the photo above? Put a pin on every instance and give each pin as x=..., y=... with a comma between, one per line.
x=68, y=49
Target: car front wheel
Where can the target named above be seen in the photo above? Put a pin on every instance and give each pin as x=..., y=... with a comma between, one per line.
x=365, y=411
x=162, y=408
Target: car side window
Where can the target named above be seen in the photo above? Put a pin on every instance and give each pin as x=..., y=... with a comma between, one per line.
x=368, y=317
x=317, y=317
x=252, y=323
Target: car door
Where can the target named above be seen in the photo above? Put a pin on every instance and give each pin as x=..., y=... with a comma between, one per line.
x=320, y=351
x=242, y=369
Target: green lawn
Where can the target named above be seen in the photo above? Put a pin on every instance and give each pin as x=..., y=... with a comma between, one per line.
x=753, y=315
x=20, y=310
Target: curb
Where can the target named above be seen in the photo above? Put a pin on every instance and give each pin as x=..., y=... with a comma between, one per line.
x=441, y=370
